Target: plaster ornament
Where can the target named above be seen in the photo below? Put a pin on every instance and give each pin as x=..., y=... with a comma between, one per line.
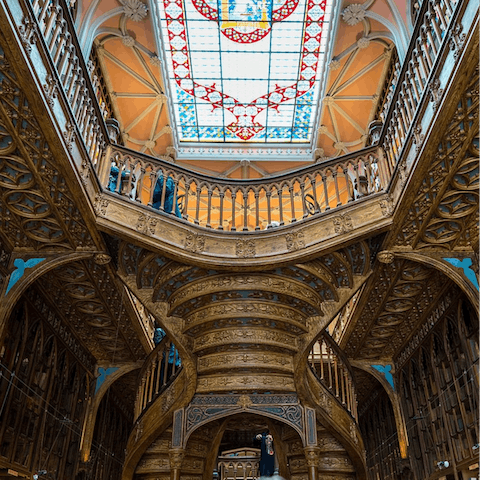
x=353, y=14
x=328, y=100
x=134, y=9
x=334, y=65
x=363, y=42
x=156, y=61
x=128, y=41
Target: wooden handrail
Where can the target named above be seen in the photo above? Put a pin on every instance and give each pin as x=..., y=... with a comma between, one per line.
x=331, y=367
x=434, y=19
x=244, y=205
x=60, y=40
x=159, y=370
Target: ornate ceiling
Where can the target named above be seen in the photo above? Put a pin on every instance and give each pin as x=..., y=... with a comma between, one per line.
x=362, y=39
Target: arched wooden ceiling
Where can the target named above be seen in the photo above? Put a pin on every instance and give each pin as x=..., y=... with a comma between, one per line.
x=123, y=34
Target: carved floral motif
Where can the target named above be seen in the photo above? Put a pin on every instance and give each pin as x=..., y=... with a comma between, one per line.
x=342, y=224
x=135, y=10
x=353, y=14
x=194, y=242
x=245, y=248
x=295, y=241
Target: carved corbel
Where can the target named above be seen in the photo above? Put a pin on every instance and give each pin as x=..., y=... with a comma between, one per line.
x=176, y=459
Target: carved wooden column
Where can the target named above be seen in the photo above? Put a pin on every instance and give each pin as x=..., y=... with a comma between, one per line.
x=176, y=458
x=312, y=456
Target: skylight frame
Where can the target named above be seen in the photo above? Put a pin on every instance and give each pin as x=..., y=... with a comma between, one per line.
x=250, y=150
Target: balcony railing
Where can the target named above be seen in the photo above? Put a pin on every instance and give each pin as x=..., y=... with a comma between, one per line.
x=433, y=20
x=240, y=205
x=332, y=369
x=56, y=27
x=161, y=367
x=235, y=205
x=238, y=464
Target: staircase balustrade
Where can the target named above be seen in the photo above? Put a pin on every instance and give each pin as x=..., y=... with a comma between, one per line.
x=161, y=367
x=333, y=370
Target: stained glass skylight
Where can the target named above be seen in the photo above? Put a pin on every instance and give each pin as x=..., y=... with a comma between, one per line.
x=244, y=70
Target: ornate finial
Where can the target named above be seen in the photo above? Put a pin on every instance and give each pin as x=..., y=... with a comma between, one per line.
x=353, y=14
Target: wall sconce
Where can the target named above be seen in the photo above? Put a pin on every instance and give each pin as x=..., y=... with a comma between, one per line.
x=443, y=465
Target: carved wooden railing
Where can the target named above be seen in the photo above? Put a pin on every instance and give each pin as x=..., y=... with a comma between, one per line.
x=433, y=21
x=245, y=205
x=55, y=25
x=333, y=370
x=160, y=369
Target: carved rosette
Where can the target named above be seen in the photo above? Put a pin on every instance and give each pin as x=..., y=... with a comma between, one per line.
x=387, y=205
x=50, y=89
x=436, y=93
x=69, y=135
x=28, y=33
x=353, y=14
x=135, y=10
x=342, y=224
x=100, y=205
x=295, y=241
x=102, y=258
x=146, y=224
